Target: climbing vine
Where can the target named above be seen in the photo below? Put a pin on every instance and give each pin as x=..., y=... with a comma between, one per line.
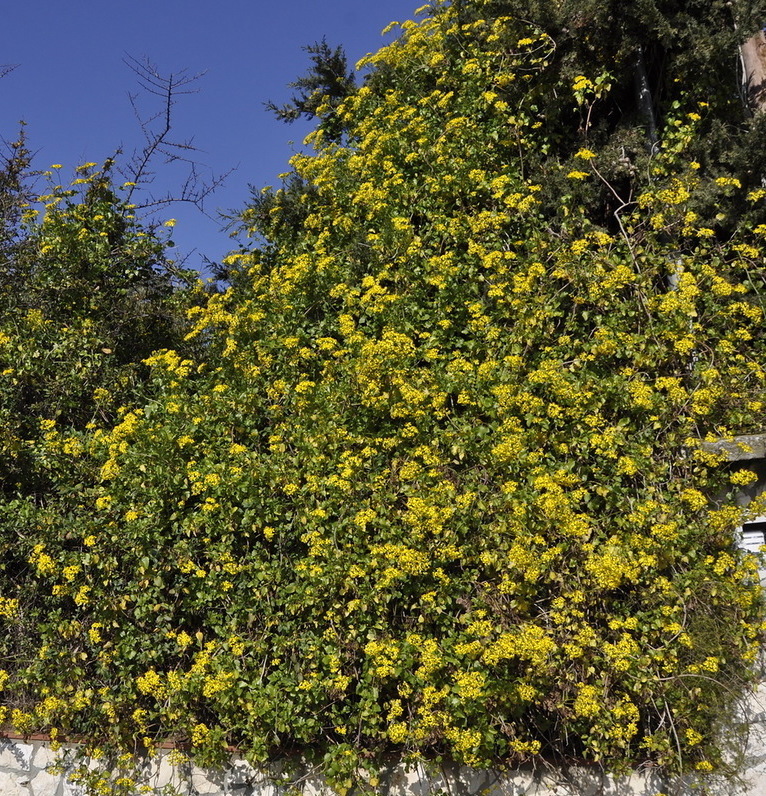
x=433, y=485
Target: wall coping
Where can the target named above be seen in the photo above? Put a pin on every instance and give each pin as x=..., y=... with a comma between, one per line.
x=740, y=448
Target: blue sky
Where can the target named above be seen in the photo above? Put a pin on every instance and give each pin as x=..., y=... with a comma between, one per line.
x=71, y=85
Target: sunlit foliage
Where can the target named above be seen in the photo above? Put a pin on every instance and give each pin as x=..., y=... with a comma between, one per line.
x=435, y=485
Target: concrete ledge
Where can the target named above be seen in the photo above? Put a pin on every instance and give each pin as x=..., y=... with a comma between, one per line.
x=739, y=449
x=162, y=776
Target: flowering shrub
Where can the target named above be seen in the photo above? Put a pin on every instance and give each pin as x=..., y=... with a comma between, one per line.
x=435, y=485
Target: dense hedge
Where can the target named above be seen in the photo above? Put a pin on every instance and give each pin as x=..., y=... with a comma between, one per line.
x=434, y=485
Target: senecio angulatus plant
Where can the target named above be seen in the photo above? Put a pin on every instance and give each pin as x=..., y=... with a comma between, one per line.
x=432, y=486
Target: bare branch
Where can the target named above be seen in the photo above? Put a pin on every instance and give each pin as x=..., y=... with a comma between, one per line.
x=191, y=192
x=156, y=129
x=6, y=69
x=156, y=83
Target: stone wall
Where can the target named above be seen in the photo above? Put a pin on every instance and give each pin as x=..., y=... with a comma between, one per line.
x=25, y=770
x=28, y=768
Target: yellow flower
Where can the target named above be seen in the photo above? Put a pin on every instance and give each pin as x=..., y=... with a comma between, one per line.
x=470, y=684
x=83, y=595
x=94, y=633
x=150, y=683
x=199, y=734
x=8, y=606
x=743, y=477
x=397, y=732
x=588, y=701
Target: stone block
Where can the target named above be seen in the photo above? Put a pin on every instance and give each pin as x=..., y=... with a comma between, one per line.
x=42, y=783
x=71, y=789
x=207, y=783
x=739, y=449
x=15, y=755
x=241, y=778
x=10, y=785
x=163, y=773
x=42, y=756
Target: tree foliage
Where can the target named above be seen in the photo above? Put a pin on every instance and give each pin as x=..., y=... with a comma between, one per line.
x=86, y=296
x=321, y=90
x=435, y=485
x=86, y=293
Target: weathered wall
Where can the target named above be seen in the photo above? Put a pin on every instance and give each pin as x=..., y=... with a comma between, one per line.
x=753, y=53
x=25, y=770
